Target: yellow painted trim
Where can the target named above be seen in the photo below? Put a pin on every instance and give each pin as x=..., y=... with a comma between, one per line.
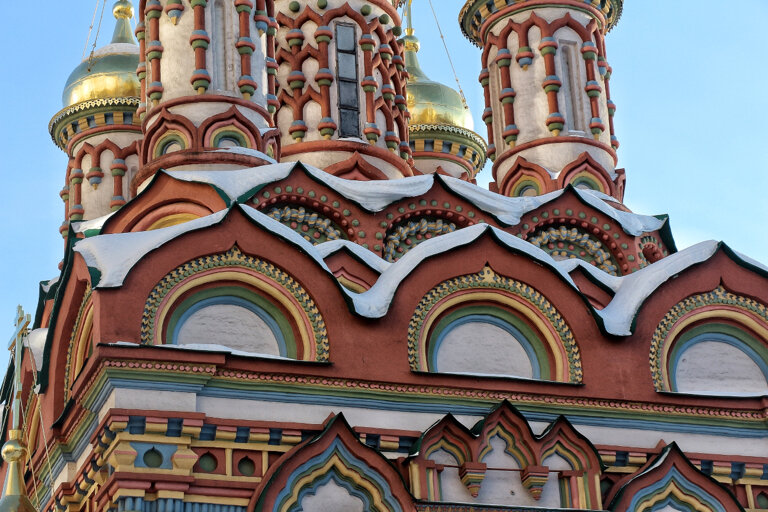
x=172, y=220
x=82, y=342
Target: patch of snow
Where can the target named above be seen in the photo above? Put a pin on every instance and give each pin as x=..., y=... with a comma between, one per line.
x=238, y=182
x=354, y=139
x=375, y=302
x=47, y=286
x=510, y=210
x=633, y=223
x=87, y=225
x=371, y=195
x=212, y=347
x=35, y=341
x=202, y=347
x=751, y=261
x=248, y=152
x=373, y=260
x=114, y=255
x=285, y=233
x=610, y=281
x=635, y=288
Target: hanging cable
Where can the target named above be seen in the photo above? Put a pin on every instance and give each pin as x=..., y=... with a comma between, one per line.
x=98, y=30
x=45, y=438
x=93, y=19
x=455, y=75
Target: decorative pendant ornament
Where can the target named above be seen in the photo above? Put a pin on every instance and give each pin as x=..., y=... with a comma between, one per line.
x=174, y=10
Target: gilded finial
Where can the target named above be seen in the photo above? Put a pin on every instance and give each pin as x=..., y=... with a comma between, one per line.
x=14, y=452
x=123, y=9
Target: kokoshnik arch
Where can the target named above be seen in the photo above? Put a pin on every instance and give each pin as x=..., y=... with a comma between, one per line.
x=282, y=289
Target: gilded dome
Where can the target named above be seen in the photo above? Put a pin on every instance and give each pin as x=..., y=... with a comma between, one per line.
x=430, y=102
x=110, y=72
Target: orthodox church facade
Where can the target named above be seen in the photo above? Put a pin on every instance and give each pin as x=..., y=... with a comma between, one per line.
x=282, y=289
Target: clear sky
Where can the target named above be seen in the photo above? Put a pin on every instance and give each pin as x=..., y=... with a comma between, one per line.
x=688, y=78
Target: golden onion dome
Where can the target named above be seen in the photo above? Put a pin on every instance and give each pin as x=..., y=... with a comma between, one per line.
x=110, y=72
x=430, y=102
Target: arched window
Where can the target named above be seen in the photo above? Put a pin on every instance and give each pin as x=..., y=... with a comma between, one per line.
x=714, y=362
x=231, y=321
x=713, y=343
x=237, y=302
x=490, y=344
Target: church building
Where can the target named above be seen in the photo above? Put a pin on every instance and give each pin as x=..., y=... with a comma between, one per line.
x=282, y=289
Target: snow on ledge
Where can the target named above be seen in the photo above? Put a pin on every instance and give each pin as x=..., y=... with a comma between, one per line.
x=375, y=196
x=36, y=343
x=248, y=152
x=635, y=288
x=375, y=302
x=88, y=225
x=114, y=255
x=373, y=260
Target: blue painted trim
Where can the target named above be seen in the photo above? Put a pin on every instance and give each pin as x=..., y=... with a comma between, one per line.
x=760, y=360
x=501, y=324
x=228, y=300
x=166, y=450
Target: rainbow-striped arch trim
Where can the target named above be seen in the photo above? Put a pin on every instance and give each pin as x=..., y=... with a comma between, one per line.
x=719, y=315
x=296, y=320
x=551, y=340
x=339, y=464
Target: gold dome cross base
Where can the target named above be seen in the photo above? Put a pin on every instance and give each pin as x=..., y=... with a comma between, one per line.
x=14, y=492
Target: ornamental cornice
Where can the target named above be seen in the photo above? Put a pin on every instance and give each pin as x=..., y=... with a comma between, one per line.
x=82, y=109
x=329, y=386
x=479, y=11
x=417, y=129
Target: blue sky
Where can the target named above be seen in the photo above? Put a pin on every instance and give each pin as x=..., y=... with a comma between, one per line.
x=688, y=81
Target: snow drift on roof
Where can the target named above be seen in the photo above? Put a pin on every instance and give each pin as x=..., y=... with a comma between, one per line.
x=374, y=196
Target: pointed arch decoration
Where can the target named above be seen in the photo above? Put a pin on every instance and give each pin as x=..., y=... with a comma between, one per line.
x=334, y=455
x=524, y=174
x=285, y=305
x=579, y=487
x=586, y=169
x=720, y=315
x=671, y=479
x=551, y=334
x=356, y=168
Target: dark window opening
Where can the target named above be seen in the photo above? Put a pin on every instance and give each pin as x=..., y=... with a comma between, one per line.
x=348, y=83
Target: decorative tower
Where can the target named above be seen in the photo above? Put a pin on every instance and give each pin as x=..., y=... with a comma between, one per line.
x=98, y=127
x=440, y=130
x=342, y=87
x=207, y=85
x=547, y=96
